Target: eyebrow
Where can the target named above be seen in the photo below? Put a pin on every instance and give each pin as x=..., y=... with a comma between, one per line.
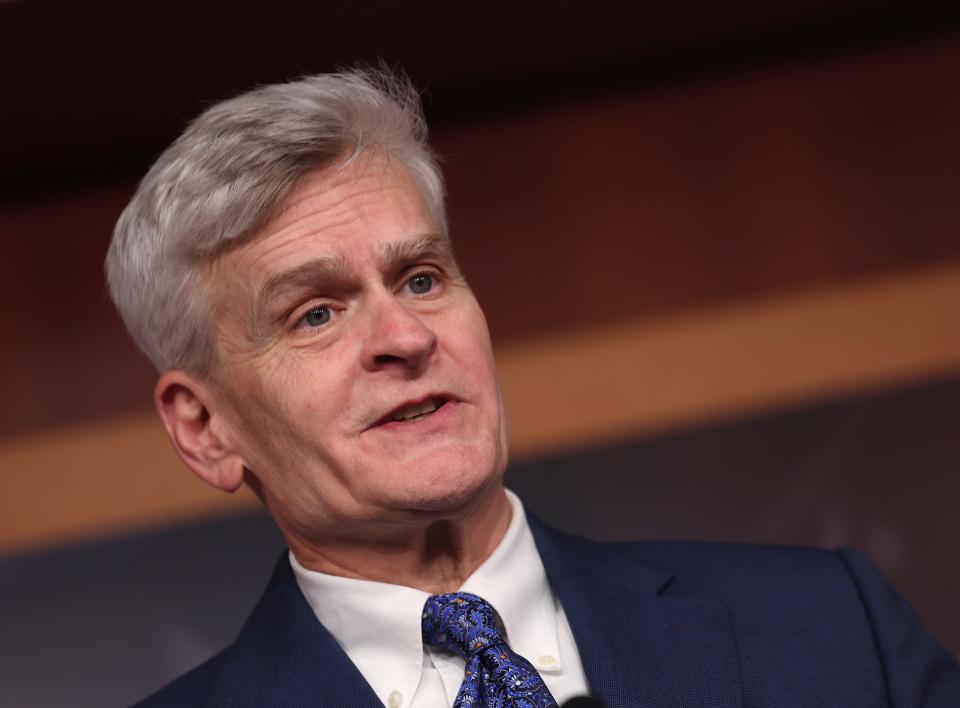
x=337, y=271
x=397, y=254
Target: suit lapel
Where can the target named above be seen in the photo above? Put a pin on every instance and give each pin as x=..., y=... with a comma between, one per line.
x=322, y=675
x=639, y=647
x=285, y=657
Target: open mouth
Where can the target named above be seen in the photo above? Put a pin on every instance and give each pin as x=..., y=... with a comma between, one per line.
x=416, y=411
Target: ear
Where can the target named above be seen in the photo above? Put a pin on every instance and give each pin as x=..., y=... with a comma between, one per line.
x=189, y=409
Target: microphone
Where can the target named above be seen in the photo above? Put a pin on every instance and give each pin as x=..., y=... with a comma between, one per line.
x=582, y=702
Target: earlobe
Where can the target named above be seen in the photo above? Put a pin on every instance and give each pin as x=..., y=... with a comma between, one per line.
x=190, y=413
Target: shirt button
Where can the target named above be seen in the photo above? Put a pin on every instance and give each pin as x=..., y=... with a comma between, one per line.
x=547, y=660
x=395, y=699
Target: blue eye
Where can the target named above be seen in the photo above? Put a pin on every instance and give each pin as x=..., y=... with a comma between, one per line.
x=317, y=316
x=420, y=283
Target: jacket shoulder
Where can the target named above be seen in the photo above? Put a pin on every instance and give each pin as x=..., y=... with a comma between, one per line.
x=699, y=568
x=251, y=666
x=785, y=602
x=190, y=689
x=719, y=566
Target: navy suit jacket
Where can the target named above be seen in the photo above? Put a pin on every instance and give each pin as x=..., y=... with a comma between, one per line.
x=658, y=625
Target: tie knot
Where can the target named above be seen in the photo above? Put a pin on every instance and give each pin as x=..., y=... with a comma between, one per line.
x=460, y=623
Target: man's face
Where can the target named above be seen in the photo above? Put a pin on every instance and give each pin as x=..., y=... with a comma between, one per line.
x=341, y=328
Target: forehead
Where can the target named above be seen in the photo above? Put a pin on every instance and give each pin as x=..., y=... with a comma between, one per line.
x=353, y=213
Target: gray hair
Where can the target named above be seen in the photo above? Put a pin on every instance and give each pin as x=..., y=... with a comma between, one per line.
x=229, y=172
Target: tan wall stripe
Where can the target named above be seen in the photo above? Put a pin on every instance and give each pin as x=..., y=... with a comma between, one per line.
x=568, y=391
x=594, y=386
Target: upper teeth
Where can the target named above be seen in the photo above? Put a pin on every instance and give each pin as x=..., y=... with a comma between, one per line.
x=428, y=406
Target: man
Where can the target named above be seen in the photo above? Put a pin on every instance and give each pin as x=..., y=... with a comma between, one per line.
x=286, y=266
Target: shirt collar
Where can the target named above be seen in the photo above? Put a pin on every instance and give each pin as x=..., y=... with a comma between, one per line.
x=514, y=581
x=378, y=624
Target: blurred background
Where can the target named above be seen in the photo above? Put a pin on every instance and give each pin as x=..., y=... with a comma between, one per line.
x=718, y=244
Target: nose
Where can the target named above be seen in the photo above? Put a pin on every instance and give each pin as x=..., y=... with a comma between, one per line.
x=397, y=338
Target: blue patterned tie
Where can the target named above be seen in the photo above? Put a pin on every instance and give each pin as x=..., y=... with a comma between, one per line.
x=495, y=676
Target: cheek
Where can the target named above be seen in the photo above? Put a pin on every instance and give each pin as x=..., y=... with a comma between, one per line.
x=471, y=342
x=268, y=408
x=485, y=369
x=309, y=397
x=480, y=348
x=468, y=326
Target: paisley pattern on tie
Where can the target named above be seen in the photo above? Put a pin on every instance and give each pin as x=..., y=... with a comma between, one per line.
x=495, y=676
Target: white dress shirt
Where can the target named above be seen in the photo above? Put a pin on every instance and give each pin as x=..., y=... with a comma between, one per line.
x=378, y=624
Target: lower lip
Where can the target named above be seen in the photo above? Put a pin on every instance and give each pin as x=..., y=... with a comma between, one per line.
x=435, y=421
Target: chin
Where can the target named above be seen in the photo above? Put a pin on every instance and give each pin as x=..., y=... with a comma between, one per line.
x=449, y=488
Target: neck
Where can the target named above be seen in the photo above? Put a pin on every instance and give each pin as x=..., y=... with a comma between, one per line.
x=436, y=556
